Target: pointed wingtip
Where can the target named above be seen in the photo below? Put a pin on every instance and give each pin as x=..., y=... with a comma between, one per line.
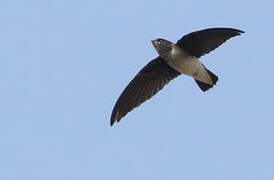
x=236, y=31
x=112, y=120
x=231, y=30
x=240, y=31
x=114, y=117
x=111, y=123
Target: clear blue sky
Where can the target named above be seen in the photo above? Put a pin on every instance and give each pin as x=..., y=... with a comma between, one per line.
x=64, y=64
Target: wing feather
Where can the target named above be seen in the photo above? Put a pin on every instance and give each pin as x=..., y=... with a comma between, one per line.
x=202, y=42
x=151, y=79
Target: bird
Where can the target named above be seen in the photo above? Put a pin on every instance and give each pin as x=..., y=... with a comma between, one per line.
x=182, y=57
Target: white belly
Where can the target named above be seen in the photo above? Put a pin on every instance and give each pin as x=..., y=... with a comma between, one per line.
x=188, y=65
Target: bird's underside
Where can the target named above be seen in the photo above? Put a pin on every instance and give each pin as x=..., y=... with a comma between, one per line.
x=173, y=60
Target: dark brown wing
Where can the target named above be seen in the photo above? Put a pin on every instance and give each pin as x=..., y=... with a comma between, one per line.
x=151, y=79
x=202, y=42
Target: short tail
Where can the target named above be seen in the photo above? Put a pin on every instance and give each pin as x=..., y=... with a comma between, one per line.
x=203, y=86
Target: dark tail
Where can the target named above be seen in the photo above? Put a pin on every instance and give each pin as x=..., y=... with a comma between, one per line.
x=203, y=86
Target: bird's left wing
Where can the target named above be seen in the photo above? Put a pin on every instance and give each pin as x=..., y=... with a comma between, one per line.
x=151, y=79
x=202, y=42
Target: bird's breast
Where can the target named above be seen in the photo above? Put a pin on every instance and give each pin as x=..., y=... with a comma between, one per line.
x=183, y=62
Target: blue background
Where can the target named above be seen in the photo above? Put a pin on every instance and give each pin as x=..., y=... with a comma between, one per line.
x=63, y=65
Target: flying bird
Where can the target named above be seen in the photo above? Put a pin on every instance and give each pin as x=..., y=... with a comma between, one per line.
x=174, y=59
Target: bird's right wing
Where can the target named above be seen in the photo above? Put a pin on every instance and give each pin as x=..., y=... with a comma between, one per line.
x=202, y=42
x=151, y=79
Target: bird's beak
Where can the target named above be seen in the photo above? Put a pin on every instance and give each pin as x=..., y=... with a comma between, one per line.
x=153, y=41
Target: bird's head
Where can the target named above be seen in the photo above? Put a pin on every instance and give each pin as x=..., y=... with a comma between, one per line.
x=162, y=46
